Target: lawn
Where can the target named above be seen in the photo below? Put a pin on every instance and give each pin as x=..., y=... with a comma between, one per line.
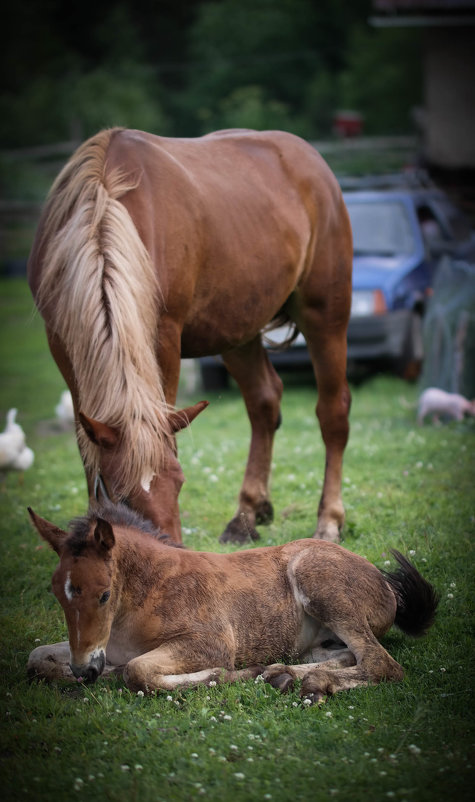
x=405, y=487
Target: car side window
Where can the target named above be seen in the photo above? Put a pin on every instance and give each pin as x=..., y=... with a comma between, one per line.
x=430, y=226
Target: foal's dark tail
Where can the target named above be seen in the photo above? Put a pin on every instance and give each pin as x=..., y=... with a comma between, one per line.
x=416, y=599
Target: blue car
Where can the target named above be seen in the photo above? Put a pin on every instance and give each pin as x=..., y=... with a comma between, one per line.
x=399, y=237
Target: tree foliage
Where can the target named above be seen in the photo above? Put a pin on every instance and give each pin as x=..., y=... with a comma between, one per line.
x=182, y=68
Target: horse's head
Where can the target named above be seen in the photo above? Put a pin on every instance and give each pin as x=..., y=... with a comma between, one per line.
x=83, y=583
x=154, y=494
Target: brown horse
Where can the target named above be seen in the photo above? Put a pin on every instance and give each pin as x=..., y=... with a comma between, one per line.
x=149, y=249
x=170, y=618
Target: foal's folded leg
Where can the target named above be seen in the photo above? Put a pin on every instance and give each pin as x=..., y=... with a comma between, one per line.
x=283, y=677
x=154, y=671
x=51, y=662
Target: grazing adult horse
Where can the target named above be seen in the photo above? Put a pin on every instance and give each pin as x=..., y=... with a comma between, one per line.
x=150, y=249
x=171, y=618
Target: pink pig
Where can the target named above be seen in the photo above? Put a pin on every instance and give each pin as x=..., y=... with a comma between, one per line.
x=437, y=403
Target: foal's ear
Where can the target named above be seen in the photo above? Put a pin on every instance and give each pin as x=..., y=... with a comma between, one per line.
x=182, y=418
x=48, y=531
x=99, y=433
x=104, y=535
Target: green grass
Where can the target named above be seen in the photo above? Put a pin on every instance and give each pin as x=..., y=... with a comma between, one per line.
x=404, y=487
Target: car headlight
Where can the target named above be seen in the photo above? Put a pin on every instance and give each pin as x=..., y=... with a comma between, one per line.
x=367, y=302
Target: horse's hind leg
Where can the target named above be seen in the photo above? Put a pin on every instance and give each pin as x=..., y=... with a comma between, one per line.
x=261, y=389
x=324, y=325
x=333, y=407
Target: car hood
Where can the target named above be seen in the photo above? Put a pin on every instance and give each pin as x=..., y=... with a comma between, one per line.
x=383, y=272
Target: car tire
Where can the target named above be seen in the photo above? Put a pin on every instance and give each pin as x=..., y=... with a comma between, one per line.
x=214, y=376
x=409, y=364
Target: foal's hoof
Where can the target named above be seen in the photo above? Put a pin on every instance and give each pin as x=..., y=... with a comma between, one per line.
x=280, y=677
x=239, y=531
x=282, y=682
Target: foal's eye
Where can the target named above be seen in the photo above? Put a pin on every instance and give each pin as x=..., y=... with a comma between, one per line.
x=105, y=597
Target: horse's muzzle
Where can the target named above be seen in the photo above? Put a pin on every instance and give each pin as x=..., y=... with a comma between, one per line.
x=90, y=672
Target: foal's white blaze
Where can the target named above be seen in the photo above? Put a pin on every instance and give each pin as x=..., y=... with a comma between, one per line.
x=68, y=589
x=78, y=631
x=147, y=481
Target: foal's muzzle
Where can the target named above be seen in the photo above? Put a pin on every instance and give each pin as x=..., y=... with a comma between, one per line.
x=91, y=671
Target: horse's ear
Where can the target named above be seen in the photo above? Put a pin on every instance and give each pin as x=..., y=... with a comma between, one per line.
x=48, y=531
x=183, y=417
x=104, y=535
x=99, y=433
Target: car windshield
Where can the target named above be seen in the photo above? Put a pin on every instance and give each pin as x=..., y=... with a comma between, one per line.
x=381, y=228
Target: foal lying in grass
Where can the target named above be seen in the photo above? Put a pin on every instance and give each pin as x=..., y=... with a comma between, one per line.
x=170, y=618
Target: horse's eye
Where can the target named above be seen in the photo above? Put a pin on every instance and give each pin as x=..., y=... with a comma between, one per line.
x=105, y=597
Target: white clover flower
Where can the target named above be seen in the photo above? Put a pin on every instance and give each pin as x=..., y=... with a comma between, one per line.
x=194, y=755
x=169, y=698
x=413, y=749
x=78, y=784
x=307, y=701
x=138, y=767
x=328, y=714
x=140, y=693
x=227, y=717
x=234, y=747
x=125, y=767
x=239, y=775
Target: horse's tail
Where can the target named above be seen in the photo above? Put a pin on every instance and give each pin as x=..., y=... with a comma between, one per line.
x=416, y=599
x=100, y=296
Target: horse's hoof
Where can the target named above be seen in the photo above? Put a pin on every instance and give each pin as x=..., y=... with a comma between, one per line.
x=239, y=531
x=264, y=513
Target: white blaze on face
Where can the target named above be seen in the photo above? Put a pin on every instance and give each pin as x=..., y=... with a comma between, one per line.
x=147, y=481
x=68, y=589
x=78, y=632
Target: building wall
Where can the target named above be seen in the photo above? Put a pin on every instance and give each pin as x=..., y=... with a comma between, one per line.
x=449, y=75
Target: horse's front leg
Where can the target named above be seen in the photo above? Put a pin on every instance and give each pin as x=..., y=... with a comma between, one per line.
x=261, y=389
x=163, y=670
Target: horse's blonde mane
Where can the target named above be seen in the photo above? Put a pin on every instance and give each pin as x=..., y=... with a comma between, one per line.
x=100, y=295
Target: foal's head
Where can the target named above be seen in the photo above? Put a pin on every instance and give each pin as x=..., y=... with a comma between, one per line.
x=86, y=581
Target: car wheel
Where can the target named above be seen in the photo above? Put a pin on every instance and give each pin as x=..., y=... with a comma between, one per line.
x=214, y=376
x=409, y=364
